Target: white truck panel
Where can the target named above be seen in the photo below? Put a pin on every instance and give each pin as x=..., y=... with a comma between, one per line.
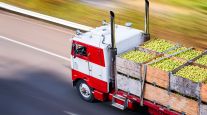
x=90, y=69
x=130, y=85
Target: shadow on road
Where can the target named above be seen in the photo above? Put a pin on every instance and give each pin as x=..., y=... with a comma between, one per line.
x=43, y=92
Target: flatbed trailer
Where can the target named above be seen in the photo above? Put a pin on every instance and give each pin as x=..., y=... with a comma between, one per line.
x=161, y=87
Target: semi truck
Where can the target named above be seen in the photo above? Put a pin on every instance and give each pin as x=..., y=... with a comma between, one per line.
x=100, y=73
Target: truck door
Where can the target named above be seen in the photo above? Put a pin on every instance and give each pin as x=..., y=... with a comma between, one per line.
x=80, y=60
x=97, y=69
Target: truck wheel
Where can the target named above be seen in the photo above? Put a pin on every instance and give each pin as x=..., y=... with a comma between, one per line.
x=85, y=91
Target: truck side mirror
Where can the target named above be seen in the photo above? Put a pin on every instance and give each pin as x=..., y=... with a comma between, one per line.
x=74, y=50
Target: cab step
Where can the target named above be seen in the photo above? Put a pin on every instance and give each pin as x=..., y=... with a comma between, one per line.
x=119, y=97
x=118, y=105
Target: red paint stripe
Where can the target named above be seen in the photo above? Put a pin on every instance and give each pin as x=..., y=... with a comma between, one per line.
x=93, y=82
x=155, y=109
x=95, y=54
x=99, y=95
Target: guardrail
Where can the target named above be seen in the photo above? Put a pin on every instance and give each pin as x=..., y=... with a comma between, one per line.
x=45, y=17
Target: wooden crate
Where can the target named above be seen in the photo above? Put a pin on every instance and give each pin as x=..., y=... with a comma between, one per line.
x=131, y=68
x=204, y=92
x=159, y=77
x=196, y=58
x=128, y=67
x=133, y=86
x=173, y=101
x=203, y=109
x=196, y=49
x=186, y=86
x=169, y=49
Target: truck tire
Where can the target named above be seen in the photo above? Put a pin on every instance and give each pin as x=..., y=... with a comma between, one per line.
x=84, y=91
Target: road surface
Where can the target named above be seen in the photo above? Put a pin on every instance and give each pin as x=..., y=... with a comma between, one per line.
x=35, y=77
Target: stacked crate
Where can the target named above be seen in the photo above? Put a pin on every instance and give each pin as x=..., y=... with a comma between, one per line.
x=164, y=87
x=129, y=73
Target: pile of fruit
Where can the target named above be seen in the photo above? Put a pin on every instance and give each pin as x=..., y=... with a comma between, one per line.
x=202, y=60
x=179, y=49
x=193, y=73
x=190, y=54
x=137, y=56
x=167, y=64
x=158, y=45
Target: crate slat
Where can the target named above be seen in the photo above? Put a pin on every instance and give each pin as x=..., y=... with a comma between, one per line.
x=131, y=68
x=128, y=67
x=174, y=101
x=184, y=86
x=130, y=85
x=157, y=76
x=203, y=109
x=204, y=92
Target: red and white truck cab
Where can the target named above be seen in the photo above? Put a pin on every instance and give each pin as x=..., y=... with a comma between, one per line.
x=93, y=60
x=91, y=56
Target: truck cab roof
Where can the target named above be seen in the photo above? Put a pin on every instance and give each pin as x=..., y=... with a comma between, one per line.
x=126, y=37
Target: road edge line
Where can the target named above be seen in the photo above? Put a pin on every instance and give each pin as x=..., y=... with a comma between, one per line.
x=35, y=48
x=45, y=17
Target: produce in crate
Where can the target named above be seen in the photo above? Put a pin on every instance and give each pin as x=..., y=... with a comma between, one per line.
x=167, y=64
x=193, y=73
x=158, y=45
x=190, y=54
x=202, y=60
x=137, y=56
x=179, y=49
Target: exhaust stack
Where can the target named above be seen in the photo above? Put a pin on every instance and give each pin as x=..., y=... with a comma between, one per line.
x=112, y=29
x=146, y=16
x=146, y=36
x=113, y=50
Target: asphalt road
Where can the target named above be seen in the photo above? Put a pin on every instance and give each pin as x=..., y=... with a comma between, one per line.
x=35, y=83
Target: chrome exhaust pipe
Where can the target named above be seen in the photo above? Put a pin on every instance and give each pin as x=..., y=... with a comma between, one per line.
x=146, y=35
x=112, y=15
x=113, y=51
x=146, y=16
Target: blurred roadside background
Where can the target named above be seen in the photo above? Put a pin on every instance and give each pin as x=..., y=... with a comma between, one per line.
x=182, y=21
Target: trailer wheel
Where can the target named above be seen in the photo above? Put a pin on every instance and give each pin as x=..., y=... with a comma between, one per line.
x=84, y=91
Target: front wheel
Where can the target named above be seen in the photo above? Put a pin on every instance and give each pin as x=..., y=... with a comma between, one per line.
x=85, y=91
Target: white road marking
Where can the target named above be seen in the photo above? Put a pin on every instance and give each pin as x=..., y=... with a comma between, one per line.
x=48, y=27
x=35, y=48
x=69, y=113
